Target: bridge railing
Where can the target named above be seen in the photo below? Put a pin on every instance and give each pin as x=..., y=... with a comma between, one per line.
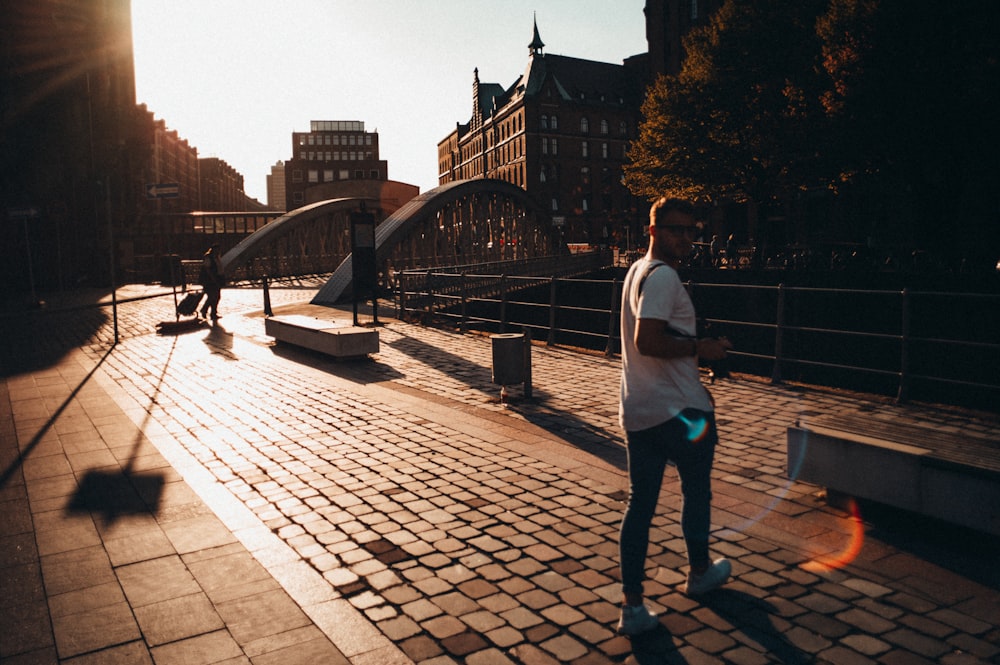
x=940, y=346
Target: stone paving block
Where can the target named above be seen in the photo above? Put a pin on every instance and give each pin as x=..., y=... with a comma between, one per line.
x=136, y=653
x=347, y=629
x=197, y=533
x=210, y=647
x=94, y=629
x=83, y=600
x=156, y=580
x=28, y=628
x=178, y=618
x=76, y=569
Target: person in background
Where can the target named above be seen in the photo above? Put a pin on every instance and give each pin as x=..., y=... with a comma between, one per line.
x=666, y=412
x=212, y=280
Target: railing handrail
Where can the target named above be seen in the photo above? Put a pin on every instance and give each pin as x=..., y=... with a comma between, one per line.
x=499, y=291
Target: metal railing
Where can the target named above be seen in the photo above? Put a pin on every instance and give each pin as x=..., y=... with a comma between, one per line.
x=885, y=342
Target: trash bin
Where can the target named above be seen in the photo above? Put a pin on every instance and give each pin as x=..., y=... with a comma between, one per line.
x=171, y=273
x=508, y=358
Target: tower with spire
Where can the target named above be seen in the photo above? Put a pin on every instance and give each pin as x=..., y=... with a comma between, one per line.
x=560, y=131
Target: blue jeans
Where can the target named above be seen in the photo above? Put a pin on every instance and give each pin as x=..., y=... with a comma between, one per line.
x=689, y=442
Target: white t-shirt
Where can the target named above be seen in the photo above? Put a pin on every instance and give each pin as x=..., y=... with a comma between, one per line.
x=654, y=390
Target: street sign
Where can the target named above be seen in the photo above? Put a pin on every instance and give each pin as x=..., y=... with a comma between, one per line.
x=163, y=190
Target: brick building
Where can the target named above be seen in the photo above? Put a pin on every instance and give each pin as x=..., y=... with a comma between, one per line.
x=72, y=146
x=332, y=151
x=221, y=186
x=562, y=130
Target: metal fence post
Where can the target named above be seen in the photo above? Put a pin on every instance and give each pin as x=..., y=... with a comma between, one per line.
x=503, y=302
x=779, y=334
x=612, y=319
x=267, y=299
x=464, y=322
x=553, y=307
x=904, y=347
x=527, y=362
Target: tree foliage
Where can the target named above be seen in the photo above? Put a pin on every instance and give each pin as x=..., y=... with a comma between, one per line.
x=895, y=99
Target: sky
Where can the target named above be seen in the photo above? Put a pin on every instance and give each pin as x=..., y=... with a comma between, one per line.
x=235, y=78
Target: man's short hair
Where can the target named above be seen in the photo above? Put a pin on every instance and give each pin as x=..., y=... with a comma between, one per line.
x=666, y=204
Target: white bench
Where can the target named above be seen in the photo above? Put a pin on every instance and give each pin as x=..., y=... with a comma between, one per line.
x=338, y=339
x=953, y=477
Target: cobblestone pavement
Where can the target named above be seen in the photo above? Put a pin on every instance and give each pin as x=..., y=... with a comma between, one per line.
x=412, y=516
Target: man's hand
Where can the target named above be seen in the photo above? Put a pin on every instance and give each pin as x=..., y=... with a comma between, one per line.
x=713, y=348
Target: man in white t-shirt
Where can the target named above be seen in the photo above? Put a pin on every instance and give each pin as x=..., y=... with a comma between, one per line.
x=667, y=414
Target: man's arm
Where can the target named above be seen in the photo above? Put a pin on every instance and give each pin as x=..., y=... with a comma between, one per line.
x=653, y=339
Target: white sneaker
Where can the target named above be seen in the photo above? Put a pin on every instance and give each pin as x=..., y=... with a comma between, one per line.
x=711, y=579
x=636, y=619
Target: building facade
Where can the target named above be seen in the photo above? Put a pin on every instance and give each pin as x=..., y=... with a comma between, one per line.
x=561, y=132
x=667, y=22
x=172, y=160
x=221, y=186
x=332, y=151
x=276, y=187
x=72, y=149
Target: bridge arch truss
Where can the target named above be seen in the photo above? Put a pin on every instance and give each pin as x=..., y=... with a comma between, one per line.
x=461, y=223
x=310, y=240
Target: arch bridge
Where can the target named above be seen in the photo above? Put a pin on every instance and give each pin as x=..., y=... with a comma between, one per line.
x=460, y=223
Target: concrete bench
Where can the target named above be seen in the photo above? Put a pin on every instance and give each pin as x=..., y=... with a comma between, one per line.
x=953, y=477
x=338, y=339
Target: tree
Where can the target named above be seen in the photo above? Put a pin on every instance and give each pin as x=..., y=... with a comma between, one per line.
x=887, y=105
x=741, y=111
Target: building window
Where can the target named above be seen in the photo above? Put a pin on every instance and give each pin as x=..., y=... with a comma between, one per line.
x=313, y=175
x=312, y=140
x=555, y=204
x=298, y=197
x=604, y=150
x=368, y=139
x=541, y=174
x=585, y=149
x=545, y=146
x=545, y=122
x=328, y=175
x=373, y=174
x=622, y=128
x=694, y=10
x=604, y=127
x=359, y=175
x=296, y=175
x=586, y=205
x=554, y=122
x=584, y=125
x=555, y=146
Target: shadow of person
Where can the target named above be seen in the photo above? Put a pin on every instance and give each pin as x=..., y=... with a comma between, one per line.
x=656, y=647
x=220, y=339
x=754, y=624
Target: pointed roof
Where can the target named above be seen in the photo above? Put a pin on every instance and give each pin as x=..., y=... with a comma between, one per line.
x=536, y=45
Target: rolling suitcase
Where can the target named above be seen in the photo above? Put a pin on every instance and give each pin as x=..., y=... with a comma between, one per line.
x=189, y=304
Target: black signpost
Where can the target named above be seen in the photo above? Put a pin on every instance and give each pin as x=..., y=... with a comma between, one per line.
x=363, y=270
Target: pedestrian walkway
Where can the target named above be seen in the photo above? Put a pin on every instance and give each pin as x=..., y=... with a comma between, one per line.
x=213, y=497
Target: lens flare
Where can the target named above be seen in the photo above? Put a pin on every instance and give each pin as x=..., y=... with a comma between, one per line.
x=696, y=427
x=826, y=563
